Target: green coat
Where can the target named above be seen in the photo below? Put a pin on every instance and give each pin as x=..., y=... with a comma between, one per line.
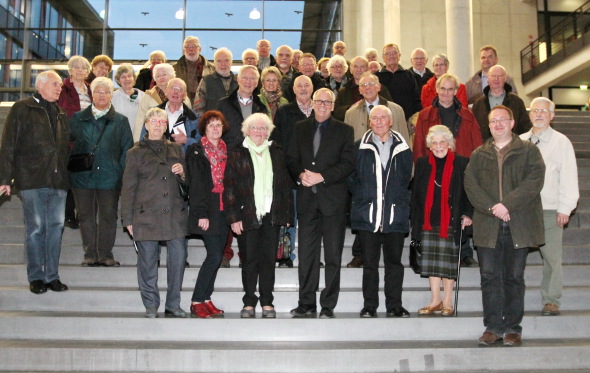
x=109, y=159
x=523, y=173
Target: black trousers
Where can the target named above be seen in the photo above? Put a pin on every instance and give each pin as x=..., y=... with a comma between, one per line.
x=258, y=262
x=393, y=246
x=313, y=227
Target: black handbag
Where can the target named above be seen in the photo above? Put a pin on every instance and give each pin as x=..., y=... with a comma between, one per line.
x=416, y=256
x=83, y=161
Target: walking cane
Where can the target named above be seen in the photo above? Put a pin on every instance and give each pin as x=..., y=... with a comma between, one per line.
x=458, y=270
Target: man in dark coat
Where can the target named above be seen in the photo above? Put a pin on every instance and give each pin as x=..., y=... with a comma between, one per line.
x=320, y=158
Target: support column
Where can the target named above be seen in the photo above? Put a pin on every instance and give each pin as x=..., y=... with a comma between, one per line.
x=392, y=30
x=364, y=36
x=459, y=17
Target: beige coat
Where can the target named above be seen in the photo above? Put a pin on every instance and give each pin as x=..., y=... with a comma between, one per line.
x=358, y=118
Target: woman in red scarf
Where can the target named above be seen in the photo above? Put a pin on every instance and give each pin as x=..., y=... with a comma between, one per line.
x=440, y=210
x=206, y=161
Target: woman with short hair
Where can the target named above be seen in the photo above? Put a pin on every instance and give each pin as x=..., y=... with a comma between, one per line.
x=145, y=78
x=126, y=99
x=271, y=94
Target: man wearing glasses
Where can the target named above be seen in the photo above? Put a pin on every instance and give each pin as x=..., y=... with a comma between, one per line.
x=192, y=67
x=320, y=158
x=503, y=181
x=307, y=67
x=419, y=58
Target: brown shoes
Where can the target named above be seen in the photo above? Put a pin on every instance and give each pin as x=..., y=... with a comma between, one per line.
x=356, y=262
x=489, y=338
x=550, y=309
x=429, y=310
x=512, y=339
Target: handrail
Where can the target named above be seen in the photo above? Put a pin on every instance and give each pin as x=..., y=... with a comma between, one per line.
x=567, y=31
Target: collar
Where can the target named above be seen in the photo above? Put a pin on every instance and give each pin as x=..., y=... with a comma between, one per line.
x=167, y=108
x=244, y=101
x=374, y=103
x=100, y=113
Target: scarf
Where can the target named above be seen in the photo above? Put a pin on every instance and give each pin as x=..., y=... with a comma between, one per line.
x=263, y=175
x=99, y=113
x=161, y=94
x=445, y=211
x=217, y=156
x=273, y=99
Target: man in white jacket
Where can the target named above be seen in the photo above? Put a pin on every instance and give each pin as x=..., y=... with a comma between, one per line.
x=559, y=196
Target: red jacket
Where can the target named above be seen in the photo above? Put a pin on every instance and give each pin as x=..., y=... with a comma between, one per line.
x=468, y=138
x=429, y=93
x=69, y=99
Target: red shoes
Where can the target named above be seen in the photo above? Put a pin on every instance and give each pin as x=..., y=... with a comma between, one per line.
x=205, y=310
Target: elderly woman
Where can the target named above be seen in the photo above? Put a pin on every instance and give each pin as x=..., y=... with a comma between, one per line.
x=271, y=94
x=371, y=54
x=153, y=97
x=101, y=67
x=440, y=211
x=257, y=199
x=205, y=162
x=440, y=66
x=337, y=66
x=153, y=210
x=99, y=129
x=145, y=78
x=446, y=109
x=380, y=209
x=75, y=94
x=126, y=99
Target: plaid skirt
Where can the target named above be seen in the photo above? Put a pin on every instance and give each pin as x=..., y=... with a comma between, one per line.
x=439, y=255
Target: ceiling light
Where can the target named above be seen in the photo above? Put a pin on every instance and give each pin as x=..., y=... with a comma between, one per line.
x=584, y=87
x=254, y=14
x=179, y=14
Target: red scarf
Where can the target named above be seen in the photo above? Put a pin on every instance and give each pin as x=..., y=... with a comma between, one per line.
x=445, y=211
x=217, y=156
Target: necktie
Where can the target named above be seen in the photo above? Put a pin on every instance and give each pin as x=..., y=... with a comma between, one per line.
x=316, y=139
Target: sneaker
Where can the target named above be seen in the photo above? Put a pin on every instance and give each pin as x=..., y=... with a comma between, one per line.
x=302, y=311
x=469, y=262
x=356, y=262
x=550, y=309
x=89, y=263
x=109, y=263
x=512, y=339
x=488, y=338
x=225, y=262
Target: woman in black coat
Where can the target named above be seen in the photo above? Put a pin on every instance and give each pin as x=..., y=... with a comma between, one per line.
x=258, y=200
x=206, y=161
x=440, y=211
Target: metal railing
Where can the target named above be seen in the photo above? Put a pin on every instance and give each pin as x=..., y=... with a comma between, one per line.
x=565, y=34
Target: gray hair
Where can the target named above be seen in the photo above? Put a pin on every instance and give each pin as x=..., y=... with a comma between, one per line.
x=337, y=58
x=166, y=67
x=43, y=77
x=155, y=112
x=74, y=60
x=418, y=50
x=285, y=47
x=176, y=80
x=123, y=69
x=102, y=82
x=368, y=74
x=194, y=39
x=447, y=76
x=328, y=90
x=158, y=53
x=223, y=50
x=257, y=118
x=369, y=51
x=248, y=67
x=383, y=108
x=545, y=100
x=441, y=57
x=249, y=50
x=366, y=61
x=440, y=130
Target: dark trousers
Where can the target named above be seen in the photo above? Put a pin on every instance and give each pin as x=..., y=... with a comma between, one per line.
x=214, y=245
x=313, y=226
x=97, y=212
x=258, y=262
x=502, y=284
x=393, y=246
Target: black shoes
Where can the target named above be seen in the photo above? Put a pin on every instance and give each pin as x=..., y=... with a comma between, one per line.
x=398, y=311
x=326, y=313
x=37, y=287
x=56, y=285
x=72, y=223
x=285, y=263
x=469, y=262
x=302, y=311
x=368, y=312
x=179, y=313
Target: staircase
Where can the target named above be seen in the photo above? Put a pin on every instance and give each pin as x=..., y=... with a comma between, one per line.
x=98, y=325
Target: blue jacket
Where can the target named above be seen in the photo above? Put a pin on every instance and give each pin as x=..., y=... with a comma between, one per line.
x=109, y=159
x=191, y=122
x=380, y=198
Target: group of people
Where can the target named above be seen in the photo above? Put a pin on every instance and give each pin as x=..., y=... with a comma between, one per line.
x=291, y=142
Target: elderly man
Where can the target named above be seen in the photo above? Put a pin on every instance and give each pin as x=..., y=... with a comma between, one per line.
x=559, y=196
x=498, y=92
x=192, y=67
x=297, y=54
x=400, y=82
x=218, y=85
x=488, y=57
x=503, y=181
x=182, y=121
x=307, y=67
x=284, y=58
x=374, y=67
x=34, y=152
x=358, y=114
x=382, y=151
x=250, y=57
x=419, y=59
x=349, y=93
x=339, y=48
x=320, y=158
x=265, y=59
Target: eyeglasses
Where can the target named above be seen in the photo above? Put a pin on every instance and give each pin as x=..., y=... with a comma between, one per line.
x=177, y=89
x=541, y=111
x=390, y=54
x=379, y=118
x=369, y=84
x=259, y=129
x=101, y=93
x=499, y=121
x=446, y=90
x=214, y=125
x=308, y=64
x=437, y=65
x=322, y=102
x=80, y=68
x=156, y=122
x=418, y=58
x=191, y=46
x=271, y=80
x=337, y=67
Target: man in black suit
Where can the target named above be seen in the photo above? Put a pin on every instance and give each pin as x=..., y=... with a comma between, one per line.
x=320, y=157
